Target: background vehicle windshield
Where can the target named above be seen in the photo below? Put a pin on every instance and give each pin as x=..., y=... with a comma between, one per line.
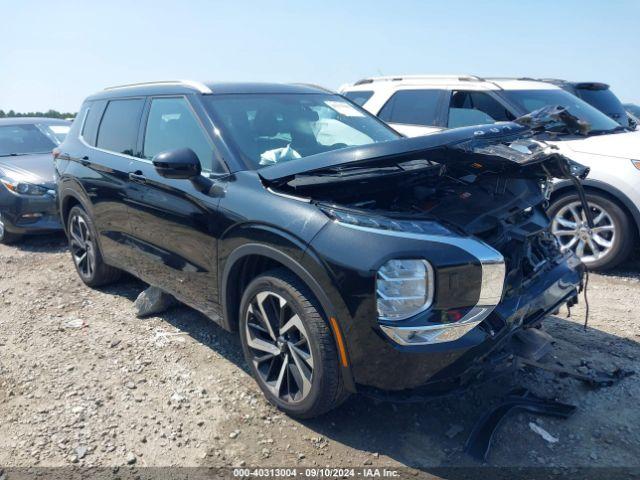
x=530, y=100
x=605, y=101
x=30, y=138
x=272, y=128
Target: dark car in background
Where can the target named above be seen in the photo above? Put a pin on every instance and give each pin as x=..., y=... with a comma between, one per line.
x=598, y=95
x=346, y=256
x=633, y=110
x=27, y=184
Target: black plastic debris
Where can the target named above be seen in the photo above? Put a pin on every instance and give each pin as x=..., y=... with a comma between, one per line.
x=597, y=380
x=479, y=442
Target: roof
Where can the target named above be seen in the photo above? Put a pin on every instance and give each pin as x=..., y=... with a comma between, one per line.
x=204, y=88
x=468, y=81
x=30, y=120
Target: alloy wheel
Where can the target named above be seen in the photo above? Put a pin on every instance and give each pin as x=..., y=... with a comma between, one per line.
x=82, y=247
x=589, y=244
x=279, y=346
x=1, y=227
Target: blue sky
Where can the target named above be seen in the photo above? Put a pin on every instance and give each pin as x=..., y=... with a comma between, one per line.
x=54, y=53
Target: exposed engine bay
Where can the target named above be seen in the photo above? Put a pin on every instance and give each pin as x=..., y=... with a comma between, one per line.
x=493, y=188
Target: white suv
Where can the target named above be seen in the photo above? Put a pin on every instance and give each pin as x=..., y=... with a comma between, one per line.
x=419, y=105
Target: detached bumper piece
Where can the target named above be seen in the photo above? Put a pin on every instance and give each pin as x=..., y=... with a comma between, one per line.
x=521, y=399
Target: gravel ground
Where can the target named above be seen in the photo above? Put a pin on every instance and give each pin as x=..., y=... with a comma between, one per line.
x=84, y=382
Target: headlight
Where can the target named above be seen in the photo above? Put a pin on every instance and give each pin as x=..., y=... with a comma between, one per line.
x=383, y=223
x=636, y=163
x=404, y=288
x=24, y=188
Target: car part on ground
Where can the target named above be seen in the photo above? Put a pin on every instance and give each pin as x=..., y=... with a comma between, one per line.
x=594, y=380
x=479, y=441
x=368, y=253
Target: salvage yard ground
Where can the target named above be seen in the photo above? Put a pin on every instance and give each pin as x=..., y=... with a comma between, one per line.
x=84, y=382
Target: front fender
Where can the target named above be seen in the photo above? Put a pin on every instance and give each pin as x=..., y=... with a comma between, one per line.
x=293, y=254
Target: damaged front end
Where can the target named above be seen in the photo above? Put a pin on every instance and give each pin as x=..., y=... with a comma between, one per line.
x=475, y=196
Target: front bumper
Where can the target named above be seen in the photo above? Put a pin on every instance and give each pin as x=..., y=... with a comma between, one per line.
x=390, y=366
x=24, y=214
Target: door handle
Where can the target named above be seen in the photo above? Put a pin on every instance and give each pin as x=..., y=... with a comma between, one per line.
x=137, y=177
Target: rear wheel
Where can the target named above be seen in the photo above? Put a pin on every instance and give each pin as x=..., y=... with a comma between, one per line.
x=289, y=347
x=85, y=251
x=7, y=237
x=603, y=247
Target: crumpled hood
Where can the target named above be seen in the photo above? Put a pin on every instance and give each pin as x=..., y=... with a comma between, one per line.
x=461, y=139
x=36, y=169
x=618, y=145
x=502, y=147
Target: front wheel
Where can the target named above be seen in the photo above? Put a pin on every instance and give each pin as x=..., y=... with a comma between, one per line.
x=7, y=237
x=289, y=347
x=85, y=250
x=600, y=248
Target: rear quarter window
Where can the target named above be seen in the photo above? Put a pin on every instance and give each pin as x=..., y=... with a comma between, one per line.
x=92, y=121
x=359, y=97
x=118, y=130
x=413, y=107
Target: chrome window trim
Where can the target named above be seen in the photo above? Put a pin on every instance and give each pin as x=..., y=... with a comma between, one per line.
x=290, y=197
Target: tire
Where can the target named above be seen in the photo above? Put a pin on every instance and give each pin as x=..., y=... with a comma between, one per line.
x=284, y=297
x=615, y=231
x=7, y=238
x=85, y=251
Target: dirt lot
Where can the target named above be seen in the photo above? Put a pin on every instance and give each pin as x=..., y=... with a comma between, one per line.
x=84, y=382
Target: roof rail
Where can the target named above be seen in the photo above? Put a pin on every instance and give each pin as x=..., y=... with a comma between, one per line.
x=464, y=78
x=200, y=87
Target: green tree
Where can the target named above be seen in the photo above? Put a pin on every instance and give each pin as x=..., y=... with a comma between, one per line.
x=49, y=114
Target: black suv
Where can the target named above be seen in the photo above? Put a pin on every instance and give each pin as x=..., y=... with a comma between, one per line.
x=346, y=256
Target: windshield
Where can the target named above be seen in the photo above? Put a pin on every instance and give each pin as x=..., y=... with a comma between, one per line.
x=605, y=101
x=530, y=100
x=271, y=128
x=30, y=138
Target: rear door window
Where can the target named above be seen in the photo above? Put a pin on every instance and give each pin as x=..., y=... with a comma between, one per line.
x=171, y=125
x=413, y=107
x=359, y=97
x=475, y=108
x=118, y=130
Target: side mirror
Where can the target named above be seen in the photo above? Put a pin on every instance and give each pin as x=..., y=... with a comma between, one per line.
x=180, y=164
